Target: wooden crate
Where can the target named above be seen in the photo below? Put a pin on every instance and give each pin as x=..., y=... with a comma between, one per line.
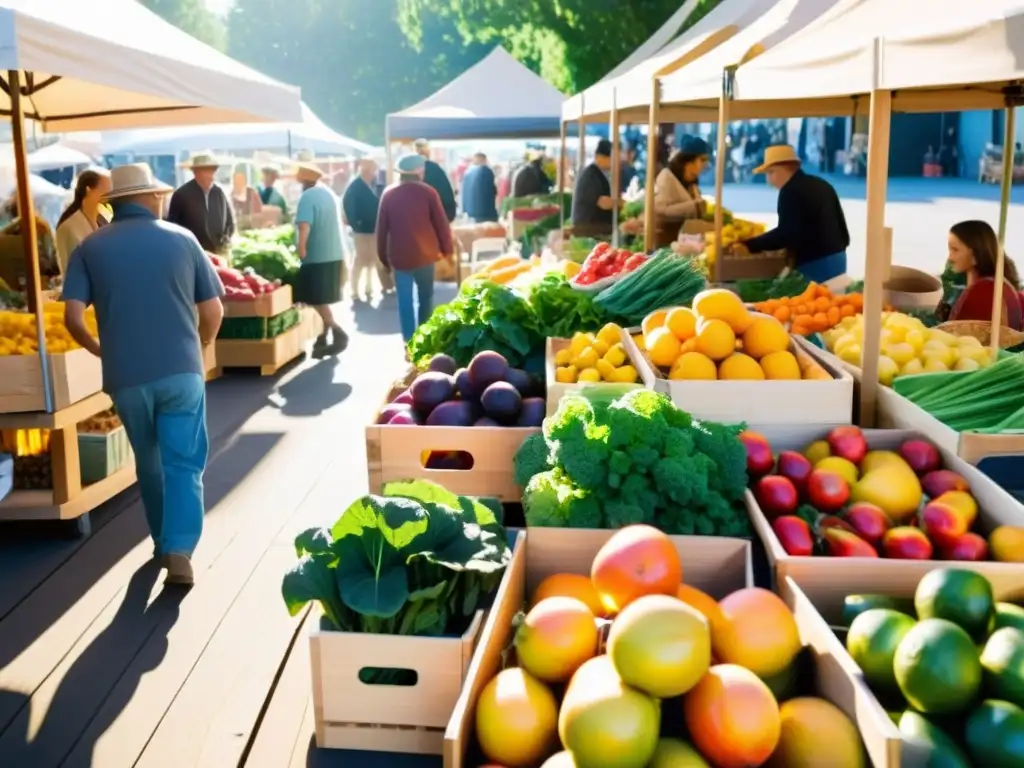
x=270, y=355
x=75, y=376
x=264, y=305
x=715, y=565
x=350, y=714
x=756, y=266
x=101, y=455
x=213, y=370
x=557, y=391
x=995, y=507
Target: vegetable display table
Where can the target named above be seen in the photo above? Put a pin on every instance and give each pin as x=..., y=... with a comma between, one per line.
x=270, y=355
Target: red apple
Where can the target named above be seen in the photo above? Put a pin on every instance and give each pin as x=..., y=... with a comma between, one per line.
x=941, y=480
x=776, y=495
x=868, y=521
x=845, y=544
x=943, y=523
x=906, y=543
x=796, y=467
x=922, y=456
x=968, y=548
x=827, y=491
x=794, y=535
x=759, y=454
x=848, y=443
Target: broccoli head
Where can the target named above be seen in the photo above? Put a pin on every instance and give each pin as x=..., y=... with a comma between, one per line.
x=721, y=443
x=532, y=458
x=550, y=500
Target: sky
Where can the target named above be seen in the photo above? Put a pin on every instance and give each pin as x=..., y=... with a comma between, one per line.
x=219, y=6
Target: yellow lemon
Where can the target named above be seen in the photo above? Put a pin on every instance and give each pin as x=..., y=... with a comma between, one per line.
x=694, y=366
x=639, y=341
x=565, y=374
x=901, y=353
x=563, y=357
x=662, y=347
x=616, y=355
x=739, y=366
x=625, y=374
x=600, y=347
x=682, y=322
x=589, y=375
x=967, y=364
x=851, y=354
x=911, y=367
x=887, y=370
x=722, y=304
x=915, y=338
x=781, y=365
x=606, y=369
x=579, y=342
x=586, y=358
x=817, y=451
x=764, y=336
x=610, y=334
x=654, y=320
x=715, y=339
x=932, y=364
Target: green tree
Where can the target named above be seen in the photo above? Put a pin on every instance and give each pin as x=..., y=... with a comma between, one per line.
x=350, y=57
x=191, y=16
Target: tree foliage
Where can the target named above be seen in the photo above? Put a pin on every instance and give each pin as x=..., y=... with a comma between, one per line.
x=191, y=16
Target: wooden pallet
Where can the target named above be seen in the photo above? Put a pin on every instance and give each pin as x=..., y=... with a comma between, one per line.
x=270, y=355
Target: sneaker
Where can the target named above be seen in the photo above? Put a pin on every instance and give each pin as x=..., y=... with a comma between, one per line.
x=320, y=346
x=179, y=570
x=339, y=342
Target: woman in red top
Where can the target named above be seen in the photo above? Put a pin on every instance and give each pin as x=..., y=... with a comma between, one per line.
x=973, y=250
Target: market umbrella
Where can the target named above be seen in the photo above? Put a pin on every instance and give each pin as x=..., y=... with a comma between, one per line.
x=71, y=68
x=54, y=156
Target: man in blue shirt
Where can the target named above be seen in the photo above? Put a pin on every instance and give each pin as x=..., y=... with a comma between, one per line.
x=480, y=191
x=318, y=235
x=148, y=280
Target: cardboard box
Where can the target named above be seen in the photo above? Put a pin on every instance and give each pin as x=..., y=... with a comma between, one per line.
x=759, y=402
x=717, y=566
x=996, y=507
x=557, y=390
x=75, y=375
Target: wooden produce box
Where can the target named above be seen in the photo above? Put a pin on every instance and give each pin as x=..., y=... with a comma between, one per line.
x=995, y=507
x=718, y=566
x=270, y=355
x=75, y=375
x=756, y=266
x=817, y=599
x=100, y=455
x=264, y=305
x=556, y=390
x=350, y=714
x=401, y=453
x=759, y=402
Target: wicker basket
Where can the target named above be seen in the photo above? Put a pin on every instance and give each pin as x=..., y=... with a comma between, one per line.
x=982, y=331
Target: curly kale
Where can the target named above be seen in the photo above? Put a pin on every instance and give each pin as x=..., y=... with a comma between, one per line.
x=532, y=458
x=550, y=500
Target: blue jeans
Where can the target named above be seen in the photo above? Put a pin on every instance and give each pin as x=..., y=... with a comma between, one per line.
x=423, y=279
x=166, y=425
x=825, y=268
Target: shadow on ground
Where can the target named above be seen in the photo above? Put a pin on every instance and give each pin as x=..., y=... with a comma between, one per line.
x=313, y=391
x=342, y=758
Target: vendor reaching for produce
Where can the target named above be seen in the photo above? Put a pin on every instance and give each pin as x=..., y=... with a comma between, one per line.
x=812, y=227
x=973, y=251
x=676, y=194
x=592, y=202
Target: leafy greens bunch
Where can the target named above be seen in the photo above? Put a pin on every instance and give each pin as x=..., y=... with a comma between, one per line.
x=417, y=560
x=561, y=310
x=635, y=458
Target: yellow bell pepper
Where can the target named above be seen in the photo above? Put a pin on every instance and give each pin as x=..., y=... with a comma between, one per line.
x=566, y=374
x=625, y=375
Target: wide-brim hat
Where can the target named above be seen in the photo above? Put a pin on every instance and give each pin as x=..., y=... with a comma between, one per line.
x=270, y=168
x=410, y=163
x=779, y=153
x=135, y=179
x=308, y=172
x=203, y=160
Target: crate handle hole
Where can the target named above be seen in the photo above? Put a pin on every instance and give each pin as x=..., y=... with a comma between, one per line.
x=453, y=460
x=396, y=676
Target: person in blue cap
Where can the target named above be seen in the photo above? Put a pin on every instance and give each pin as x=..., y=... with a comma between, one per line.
x=677, y=196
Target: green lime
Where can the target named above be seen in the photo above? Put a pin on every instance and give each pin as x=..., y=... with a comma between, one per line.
x=872, y=642
x=937, y=668
x=1009, y=615
x=995, y=734
x=962, y=597
x=1003, y=662
x=926, y=745
x=855, y=605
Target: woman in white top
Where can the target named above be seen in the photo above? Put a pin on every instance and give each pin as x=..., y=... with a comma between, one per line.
x=676, y=194
x=84, y=216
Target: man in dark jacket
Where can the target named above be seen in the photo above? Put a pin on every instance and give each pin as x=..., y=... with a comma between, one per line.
x=530, y=178
x=592, y=202
x=201, y=207
x=480, y=191
x=360, y=205
x=435, y=176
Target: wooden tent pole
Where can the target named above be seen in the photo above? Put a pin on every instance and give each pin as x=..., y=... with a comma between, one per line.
x=720, y=163
x=875, y=260
x=650, y=220
x=613, y=130
x=1009, y=131
x=563, y=166
x=29, y=234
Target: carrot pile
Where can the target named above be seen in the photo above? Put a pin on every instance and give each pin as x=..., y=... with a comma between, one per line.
x=815, y=310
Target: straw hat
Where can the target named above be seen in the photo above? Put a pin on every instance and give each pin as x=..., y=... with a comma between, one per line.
x=135, y=179
x=410, y=163
x=780, y=153
x=202, y=160
x=308, y=172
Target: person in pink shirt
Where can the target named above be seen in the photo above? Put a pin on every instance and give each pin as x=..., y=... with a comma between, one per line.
x=413, y=234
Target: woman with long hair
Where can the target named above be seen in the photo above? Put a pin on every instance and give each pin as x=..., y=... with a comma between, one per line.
x=973, y=251
x=84, y=215
x=676, y=194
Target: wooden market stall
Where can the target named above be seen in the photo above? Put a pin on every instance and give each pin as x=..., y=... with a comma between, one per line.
x=160, y=75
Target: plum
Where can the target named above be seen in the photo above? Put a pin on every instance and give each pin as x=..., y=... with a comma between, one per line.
x=502, y=402
x=430, y=389
x=443, y=364
x=487, y=368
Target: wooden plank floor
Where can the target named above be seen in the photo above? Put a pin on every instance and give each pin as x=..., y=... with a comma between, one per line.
x=102, y=667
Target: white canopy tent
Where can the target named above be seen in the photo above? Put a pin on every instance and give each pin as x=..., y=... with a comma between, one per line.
x=54, y=156
x=126, y=67
x=309, y=134
x=495, y=98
